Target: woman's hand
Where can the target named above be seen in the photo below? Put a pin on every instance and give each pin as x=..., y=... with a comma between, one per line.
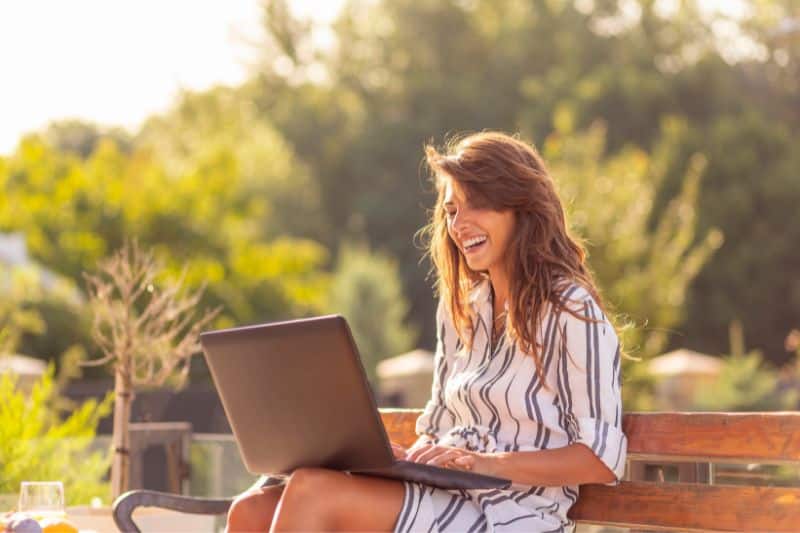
x=398, y=451
x=447, y=457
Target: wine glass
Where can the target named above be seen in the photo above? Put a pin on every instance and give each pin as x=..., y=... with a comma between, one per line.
x=42, y=499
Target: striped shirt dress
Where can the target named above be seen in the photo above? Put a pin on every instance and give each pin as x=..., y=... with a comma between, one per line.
x=492, y=400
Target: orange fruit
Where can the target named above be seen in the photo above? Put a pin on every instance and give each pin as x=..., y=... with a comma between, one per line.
x=57, y=525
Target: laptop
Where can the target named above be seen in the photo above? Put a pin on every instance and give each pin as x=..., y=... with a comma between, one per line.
x=296, y=395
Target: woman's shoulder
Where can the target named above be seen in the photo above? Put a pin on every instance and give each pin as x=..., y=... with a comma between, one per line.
x=573, y=297
x=571, y=292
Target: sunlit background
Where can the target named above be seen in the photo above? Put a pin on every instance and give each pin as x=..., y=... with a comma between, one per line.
x=271, y=151
x=117, y=62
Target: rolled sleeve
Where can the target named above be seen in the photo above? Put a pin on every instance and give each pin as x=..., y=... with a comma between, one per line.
x=589, y=383
x=437, y=418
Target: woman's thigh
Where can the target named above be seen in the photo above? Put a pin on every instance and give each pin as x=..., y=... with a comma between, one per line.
x=346, y=501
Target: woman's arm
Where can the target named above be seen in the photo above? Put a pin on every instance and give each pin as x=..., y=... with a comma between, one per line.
x=589, y=389
x=436, y=417
x=574, y=464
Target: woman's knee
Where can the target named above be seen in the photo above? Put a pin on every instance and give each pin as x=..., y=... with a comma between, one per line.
x=316, y=491
x=253, y=510
x=311, y=483
x=329, y=499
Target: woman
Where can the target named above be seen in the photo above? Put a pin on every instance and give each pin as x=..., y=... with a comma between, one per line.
x=527, y=368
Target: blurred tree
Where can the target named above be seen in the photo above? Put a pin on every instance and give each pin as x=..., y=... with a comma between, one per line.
x=208, y=217
x=323, y=145
x=35, y=444
x=17, y=287
x=81, y=138
x=746, y=383
x=643, y=271
x=402, y=72
x=222, y=124
x=790, y=372
x=148, y=331
x=42, y=319
x=366, y=290
x=792, y=342
x=752, y=191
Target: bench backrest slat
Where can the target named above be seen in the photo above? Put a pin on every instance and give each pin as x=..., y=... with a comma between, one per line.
x=751, y=437
x=400, y=424
x=721, y=437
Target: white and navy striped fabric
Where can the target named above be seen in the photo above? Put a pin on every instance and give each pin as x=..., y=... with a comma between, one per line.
x=493, y=401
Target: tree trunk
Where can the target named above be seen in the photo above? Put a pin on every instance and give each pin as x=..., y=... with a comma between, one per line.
x=120, y=466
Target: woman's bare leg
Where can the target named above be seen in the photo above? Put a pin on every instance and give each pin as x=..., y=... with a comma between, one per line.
x=252, y=510
x=317, y=499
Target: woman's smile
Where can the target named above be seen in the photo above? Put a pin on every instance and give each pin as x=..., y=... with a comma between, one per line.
x=474, y=244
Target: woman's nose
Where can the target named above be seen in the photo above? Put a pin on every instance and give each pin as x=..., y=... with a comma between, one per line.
x=460, y=222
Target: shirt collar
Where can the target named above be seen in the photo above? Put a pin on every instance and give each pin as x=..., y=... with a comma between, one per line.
x=481, y=301
x=481, y=292
x=480, y=297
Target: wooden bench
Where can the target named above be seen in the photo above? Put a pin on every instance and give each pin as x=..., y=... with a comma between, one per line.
x=689, y=440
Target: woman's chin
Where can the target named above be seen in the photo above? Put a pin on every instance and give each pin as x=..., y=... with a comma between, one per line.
x=476, y=264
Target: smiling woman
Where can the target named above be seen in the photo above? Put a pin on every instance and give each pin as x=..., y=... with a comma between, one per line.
x=495, y=186
x=527, y=380
x=526, y=384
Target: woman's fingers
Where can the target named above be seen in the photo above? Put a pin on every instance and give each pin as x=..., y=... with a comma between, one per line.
x=444, y=458
x=427, y=453
x=413, y=453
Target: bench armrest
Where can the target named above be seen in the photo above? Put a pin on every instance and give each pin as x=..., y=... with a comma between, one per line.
x=128, y=502
x=125, y=505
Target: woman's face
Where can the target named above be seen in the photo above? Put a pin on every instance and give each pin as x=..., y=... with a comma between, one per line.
x=481, y=234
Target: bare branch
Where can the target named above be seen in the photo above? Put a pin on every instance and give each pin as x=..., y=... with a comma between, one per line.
x=98, y=362
x=148, y=330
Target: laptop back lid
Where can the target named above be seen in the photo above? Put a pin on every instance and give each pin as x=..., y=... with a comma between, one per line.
x=296, y=394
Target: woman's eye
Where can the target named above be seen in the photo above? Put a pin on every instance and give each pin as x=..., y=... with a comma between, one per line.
x=450, y=214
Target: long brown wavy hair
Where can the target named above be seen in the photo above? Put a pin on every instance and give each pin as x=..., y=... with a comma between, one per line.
x=500, y=172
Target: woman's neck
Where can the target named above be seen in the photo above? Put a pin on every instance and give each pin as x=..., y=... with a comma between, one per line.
x=499, y=283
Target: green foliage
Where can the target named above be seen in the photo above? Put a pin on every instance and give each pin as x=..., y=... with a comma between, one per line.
x=366, y=290
x=752, y=191
x=253, y=186
x=206, y=201
x=792, y=342
x=204, y=129
x=81, y=138
x=27, y=306
x=746, y=383
x=396, y=80
x=41, y=313
x=17, y=288
x=643, y=271
x=35, y=445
